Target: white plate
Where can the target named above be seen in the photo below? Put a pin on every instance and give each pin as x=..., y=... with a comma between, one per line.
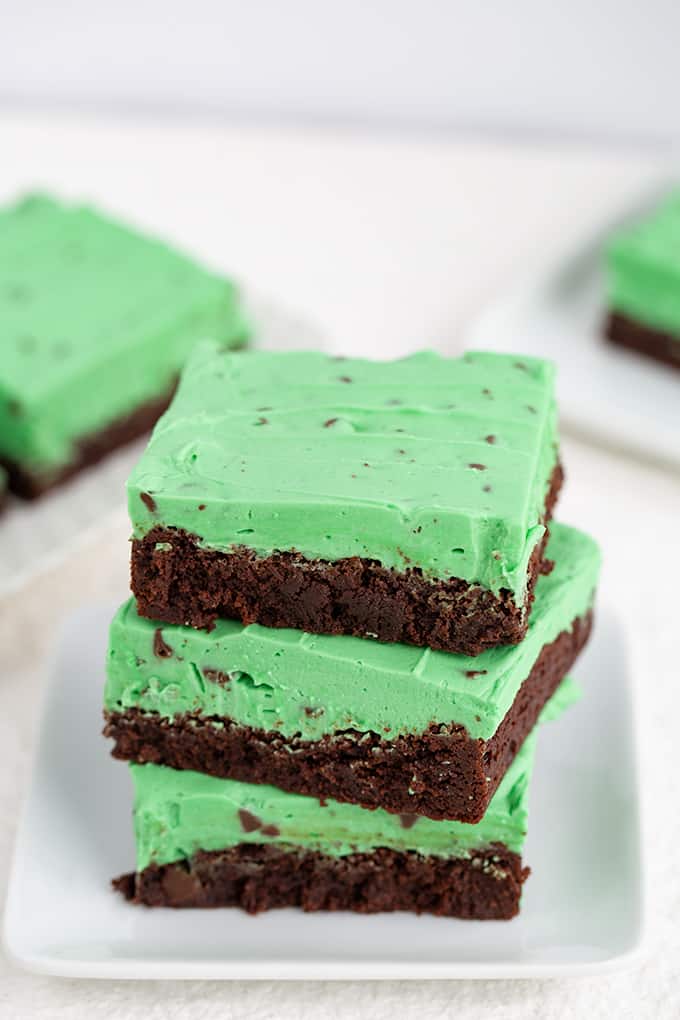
x=617, y=397
x=36, y=536
x=582, y=908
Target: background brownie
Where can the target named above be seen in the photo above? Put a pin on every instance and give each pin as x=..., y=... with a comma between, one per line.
x=97, y=321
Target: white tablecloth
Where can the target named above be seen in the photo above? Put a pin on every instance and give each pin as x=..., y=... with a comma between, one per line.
x=379, y=241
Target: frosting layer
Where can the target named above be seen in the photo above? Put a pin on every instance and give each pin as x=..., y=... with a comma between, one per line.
x=430, y=462
x=96, y=321
x=643, y=269
x=298, y=683
x=178, y=813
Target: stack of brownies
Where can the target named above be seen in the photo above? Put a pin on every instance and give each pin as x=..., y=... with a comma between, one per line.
x=348, y=618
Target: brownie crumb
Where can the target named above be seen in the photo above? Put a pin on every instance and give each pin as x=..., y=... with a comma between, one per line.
x=148, y=501
x=408, y=821
x=160, y=647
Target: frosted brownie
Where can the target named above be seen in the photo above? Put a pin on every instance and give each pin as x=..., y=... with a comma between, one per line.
x=97, y=321
x=404, y=500
x=207, y=842
x=380, y=725
x=643, y=285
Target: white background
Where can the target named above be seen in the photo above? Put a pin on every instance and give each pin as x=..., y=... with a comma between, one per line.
x=606, y=70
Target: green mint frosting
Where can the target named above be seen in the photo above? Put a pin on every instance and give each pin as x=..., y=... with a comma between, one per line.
x=643, y=269
x=297, y=683
x=179, y=812
x=96, y=320
x=430, y=462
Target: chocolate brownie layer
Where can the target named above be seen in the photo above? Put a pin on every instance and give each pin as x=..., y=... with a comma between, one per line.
x=485, y=886
x=441, y=773
x=635, y=336
x=176, y=581
x=90, y=450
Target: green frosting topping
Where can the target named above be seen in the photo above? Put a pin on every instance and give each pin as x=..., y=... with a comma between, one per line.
x=430, y=462
x=310, y=685
x=643, y=269
x=96, y=320
x=179, y=812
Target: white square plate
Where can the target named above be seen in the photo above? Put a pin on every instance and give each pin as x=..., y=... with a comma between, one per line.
x=620, y=398
x=582, y=907
x=38, y=535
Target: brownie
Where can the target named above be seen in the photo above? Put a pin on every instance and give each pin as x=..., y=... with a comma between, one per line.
x=404, y=500
x=485, y=886
x=441, y=773
x=97, y=321
x=642, y=284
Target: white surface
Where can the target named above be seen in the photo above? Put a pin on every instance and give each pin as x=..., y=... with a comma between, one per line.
x=607, y=68
x=615, y=396
x=38, y=535
x=380, y=242
x=581, y=909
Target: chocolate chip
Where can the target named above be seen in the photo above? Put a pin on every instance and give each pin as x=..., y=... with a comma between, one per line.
x=329, y=421
x=270, y=830
x=216, y=676
x=179, y=885
x=408, y=821
x=470, y=673
x=160, y=647
x=249, y=822
x=477, y=467
x=201, y=506
x=148, y=501
x=490, y=439
x=344, y=378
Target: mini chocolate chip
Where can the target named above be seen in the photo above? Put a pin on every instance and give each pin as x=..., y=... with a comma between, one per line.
x=201, y=506
x=487, y=488
x=366, y=464
x=14, y=408
x=521, y=365
x=160, y=647
x=353, y=476
x=475, y=672
x=486, y=392
x=477, y=467
x=490, y=439
x=344, y=378
x=394, y=402
x=408, y=821
x=329, y=421
x=249, y=822
x=270, y=830
x=313, y=713
x=179, y=885
x=401, y=451
x=531, y=408
x=262, y=421
x=148, y=501
x=216, y=676
x=264, y=408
